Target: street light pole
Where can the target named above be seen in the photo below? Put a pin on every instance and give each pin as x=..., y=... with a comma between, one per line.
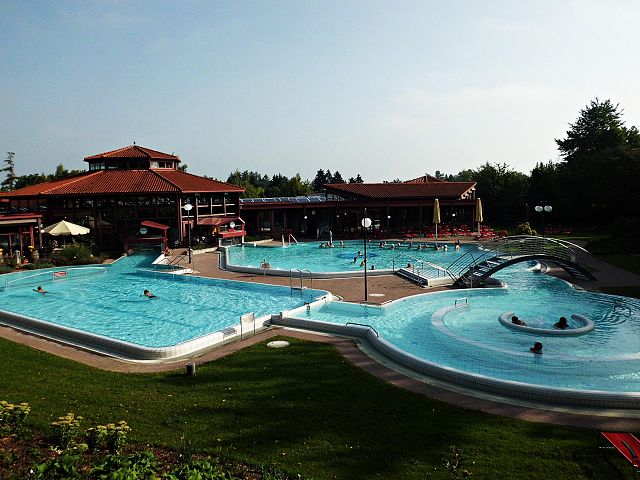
x=188, y=208
x=366, y=223
x=541, y=209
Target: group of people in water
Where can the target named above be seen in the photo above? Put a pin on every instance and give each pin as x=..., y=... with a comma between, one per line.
x=41, y=290
x=330, y=244
x=420, y=246
x=561, y=324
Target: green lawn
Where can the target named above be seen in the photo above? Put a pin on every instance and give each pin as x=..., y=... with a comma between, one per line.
x=304, y=410
x=627, y=262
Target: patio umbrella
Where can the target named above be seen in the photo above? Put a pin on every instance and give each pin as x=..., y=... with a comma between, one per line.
x=65, y=228
x=436, y=214
x=478, y=218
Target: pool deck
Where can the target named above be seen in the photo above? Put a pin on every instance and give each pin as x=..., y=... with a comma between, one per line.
x=384, y=288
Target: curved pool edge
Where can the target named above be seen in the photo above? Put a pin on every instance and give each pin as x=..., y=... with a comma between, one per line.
x=507, y=388
x=133, y=352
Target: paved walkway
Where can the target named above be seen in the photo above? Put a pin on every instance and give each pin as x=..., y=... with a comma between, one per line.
x=389, y=288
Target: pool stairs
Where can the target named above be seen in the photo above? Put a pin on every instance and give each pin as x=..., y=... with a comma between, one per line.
x=416, y=276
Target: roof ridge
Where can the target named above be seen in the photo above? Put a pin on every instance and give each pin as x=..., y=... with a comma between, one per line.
x=206, y=178
x=157, y=173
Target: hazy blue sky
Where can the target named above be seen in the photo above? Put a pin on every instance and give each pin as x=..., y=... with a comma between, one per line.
x=385, y=89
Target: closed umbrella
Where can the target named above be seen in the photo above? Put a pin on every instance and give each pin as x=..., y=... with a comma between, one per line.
x=478, y=217
x=436, y=214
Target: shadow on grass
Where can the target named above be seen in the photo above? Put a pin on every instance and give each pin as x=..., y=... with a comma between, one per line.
x=302, y=409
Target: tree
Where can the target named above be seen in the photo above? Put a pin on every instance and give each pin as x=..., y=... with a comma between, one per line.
x=9, y=182
x=358, y=179
x=337, y=178
x=599, y=127
x=600, y=167
x=320, y=180
x=183, y=167
x=254, y=183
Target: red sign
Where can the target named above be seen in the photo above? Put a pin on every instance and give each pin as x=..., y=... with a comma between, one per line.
x=61, y=273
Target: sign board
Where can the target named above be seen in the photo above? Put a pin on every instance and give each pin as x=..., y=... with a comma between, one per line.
x=59, y=274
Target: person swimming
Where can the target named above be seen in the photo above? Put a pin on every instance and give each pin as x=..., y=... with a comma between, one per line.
x=40, y=290
x=516, y=321
x=561, y=324
x=148, y=294
x=537, y=348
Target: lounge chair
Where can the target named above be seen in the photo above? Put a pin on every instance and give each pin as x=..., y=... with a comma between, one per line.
x=628, y=445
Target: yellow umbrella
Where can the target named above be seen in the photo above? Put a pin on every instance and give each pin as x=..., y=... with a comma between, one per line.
x=436, y=214
x=478, y=216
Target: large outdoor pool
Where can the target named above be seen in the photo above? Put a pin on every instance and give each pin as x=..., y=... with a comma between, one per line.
x=347, y=257
x=471, y=339
x=110, y=302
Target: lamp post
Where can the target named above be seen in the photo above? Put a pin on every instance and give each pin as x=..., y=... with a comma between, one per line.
x=541, y=209
x=366, y=223
x=188, y=208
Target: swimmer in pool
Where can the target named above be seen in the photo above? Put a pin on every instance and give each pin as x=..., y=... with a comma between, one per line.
x=537, y=348
x=148, y=294
x=561, y=324
x=40, y=290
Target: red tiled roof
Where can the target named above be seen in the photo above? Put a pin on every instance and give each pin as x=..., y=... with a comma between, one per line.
x=402, y=190
x=133, y=151
x=126, y=181
x=425, y=179
x=188, y=182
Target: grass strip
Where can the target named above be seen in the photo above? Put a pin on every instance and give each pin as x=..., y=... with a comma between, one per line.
x=303, y=410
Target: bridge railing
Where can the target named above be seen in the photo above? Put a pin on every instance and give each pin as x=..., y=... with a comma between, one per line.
x=517, y=246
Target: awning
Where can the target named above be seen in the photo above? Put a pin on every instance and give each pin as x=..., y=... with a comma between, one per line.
x=159, y=226
x=218, y=220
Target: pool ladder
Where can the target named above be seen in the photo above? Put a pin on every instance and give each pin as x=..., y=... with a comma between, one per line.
x=300, y=274
x=464, y=302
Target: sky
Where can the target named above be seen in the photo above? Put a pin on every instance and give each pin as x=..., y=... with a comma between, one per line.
x=387, y=90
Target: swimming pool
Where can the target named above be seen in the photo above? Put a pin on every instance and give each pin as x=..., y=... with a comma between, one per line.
x=108, y=303
x=346, y=258
x=463, y=335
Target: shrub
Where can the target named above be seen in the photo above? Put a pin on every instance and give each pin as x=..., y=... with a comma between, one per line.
x=5, y=269
x=200, y=470
x=142, y=465
x=74, y=255
x=63, y=467
x=65, y=430
x=525, y=229
x=13, y=416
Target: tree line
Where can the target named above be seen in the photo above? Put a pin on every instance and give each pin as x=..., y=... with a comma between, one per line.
x=594, y=183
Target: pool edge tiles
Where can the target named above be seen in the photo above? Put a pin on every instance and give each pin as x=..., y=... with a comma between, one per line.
x=508, y=388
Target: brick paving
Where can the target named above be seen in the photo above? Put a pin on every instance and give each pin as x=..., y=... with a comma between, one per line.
x=389, y=288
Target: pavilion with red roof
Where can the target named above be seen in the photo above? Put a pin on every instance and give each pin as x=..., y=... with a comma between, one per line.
x=124, y=188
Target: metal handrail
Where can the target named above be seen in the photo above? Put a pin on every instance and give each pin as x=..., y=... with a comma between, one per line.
x=364, y=325
x=310, y=279
x=516, y=246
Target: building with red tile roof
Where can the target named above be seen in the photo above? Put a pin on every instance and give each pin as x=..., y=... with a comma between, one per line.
x=126, y=187
x=395, y=208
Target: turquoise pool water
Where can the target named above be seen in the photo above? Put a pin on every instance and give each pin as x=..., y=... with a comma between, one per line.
x=110, y=302
x=471, y=338
x=311, y=257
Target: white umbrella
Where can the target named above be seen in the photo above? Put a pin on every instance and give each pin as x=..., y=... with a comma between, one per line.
x=436, y=214
x=65, y=228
